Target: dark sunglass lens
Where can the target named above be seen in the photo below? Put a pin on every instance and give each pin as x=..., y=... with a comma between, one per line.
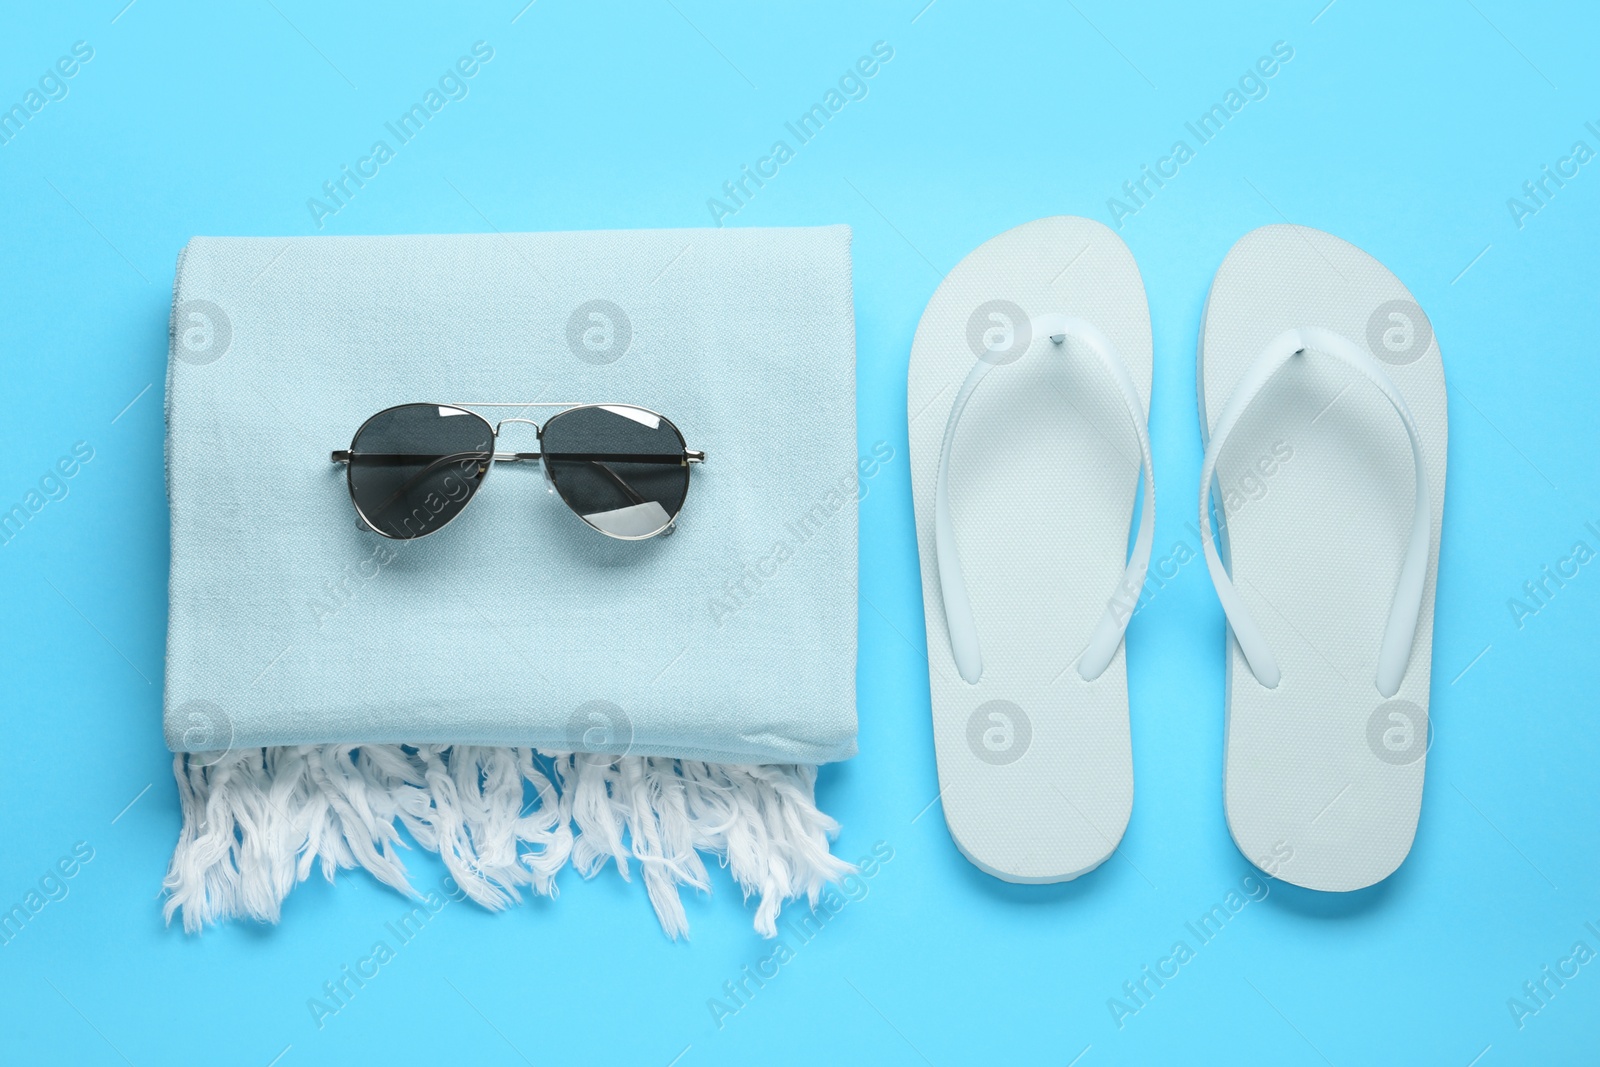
x=621, y=468
x=414, y=467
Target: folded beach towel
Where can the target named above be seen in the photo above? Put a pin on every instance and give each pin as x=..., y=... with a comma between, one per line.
x=517, y=690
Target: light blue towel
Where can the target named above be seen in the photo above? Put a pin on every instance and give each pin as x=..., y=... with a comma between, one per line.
x=732, y=640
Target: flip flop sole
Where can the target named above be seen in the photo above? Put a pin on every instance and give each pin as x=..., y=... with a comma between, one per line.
x=1323, y=775
x=1035, y=765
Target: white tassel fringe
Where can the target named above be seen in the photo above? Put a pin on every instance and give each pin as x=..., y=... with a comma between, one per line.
x=256, y=821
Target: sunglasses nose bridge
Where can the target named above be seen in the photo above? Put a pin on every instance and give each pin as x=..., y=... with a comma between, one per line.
x=503, y=423
x=502, y=444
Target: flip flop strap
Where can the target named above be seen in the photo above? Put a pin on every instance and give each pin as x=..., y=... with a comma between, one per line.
x=1107, y=636
x=1395, y=652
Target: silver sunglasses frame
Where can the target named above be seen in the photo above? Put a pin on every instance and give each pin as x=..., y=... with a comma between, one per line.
x=690, y=457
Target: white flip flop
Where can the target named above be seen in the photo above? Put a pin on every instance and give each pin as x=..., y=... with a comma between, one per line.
x=1322, y=408
x=1024, y=491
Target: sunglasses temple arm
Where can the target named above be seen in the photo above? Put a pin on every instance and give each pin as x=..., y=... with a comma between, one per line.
x=498, y=457
x=344, y=456
x=689, y=456
x=476, y=457
x=621, y=484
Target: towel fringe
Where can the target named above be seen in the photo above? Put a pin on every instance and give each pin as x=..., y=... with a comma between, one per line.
x=257, y=821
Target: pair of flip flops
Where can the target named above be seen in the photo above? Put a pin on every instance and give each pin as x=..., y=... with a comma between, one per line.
x=1322, y=407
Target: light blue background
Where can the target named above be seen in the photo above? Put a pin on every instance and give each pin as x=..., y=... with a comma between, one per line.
x=1401, y=130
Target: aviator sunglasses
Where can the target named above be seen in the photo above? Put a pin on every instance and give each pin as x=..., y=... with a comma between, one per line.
x=622, y=469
